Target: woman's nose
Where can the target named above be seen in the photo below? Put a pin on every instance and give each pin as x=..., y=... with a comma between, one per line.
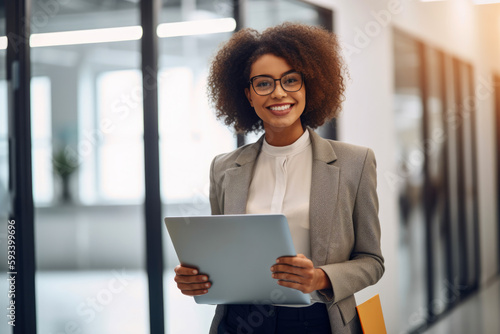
x=278, y=92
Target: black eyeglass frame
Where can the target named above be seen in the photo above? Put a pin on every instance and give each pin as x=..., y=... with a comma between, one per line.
x=250, y=82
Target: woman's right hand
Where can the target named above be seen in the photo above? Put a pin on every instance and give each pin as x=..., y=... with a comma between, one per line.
x=190, y=282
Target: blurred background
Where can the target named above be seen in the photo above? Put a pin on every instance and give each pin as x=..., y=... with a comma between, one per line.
x=423, y=93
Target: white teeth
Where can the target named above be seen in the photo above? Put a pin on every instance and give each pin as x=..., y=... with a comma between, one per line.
x=280, y=108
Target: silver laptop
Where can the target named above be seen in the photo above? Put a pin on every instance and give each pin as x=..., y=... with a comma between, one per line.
x=236, y=252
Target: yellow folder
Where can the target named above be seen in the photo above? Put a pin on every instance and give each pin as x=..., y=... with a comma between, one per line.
x=371, y=317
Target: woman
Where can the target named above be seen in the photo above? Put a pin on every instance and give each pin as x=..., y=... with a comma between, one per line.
x=289, y=80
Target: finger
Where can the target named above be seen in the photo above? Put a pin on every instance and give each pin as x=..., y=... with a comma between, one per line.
x=286, y=268
x=290, y=256
x=191, y=278
x=291, y=269
x=181, y=270
x=284, y=258
x=192, y=287
x=194, y=292
x=296, y=262
x=293, y=285
x=288, y=259
x=288, y=277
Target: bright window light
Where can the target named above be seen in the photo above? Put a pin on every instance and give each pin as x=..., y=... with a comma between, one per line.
x=188, y=28
x=41, y=132
x=200, y=27
x=3, y=42
x=86, y=36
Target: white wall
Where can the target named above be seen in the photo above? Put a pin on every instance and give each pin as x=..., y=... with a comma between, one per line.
x=487, y=58
x=469, y=32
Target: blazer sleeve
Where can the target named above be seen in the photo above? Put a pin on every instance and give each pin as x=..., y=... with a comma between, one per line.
x=366, y=264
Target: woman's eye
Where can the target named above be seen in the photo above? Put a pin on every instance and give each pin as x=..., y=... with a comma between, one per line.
x=263, y=84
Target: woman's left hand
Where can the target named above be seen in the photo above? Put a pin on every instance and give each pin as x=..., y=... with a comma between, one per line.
x=298, y=272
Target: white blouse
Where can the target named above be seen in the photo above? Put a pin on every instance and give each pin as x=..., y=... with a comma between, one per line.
x=281, y=183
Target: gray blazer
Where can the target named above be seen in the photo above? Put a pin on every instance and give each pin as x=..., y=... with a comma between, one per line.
x=344, y=224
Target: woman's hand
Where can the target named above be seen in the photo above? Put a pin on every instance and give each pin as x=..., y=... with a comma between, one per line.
x=298, y=272
x=190, y=282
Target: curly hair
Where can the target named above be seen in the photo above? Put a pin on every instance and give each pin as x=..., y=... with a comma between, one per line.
x=311, y=50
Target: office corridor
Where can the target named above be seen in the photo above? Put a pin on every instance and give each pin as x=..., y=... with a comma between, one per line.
x=106, y=128
x=479, y=314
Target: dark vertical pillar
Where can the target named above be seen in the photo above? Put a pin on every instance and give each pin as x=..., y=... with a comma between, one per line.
x=239, y=14
x=326, y=18
x=462, y=213
x=153, y=216
x=328, y=22
x=474, y=170
x=20, y=183
x=445, y=182
x=427, y=193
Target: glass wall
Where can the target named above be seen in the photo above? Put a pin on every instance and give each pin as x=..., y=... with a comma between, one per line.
x=4, y=175
x=86, y=98
x=435, y=122
x=469, y=160
x=190, y=136
x=410, y=161
x=452, y=172
x=436, y=183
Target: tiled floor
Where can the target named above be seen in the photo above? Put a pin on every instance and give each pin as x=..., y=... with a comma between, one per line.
x=480, y=314
x=110, y=302
x=115, y=301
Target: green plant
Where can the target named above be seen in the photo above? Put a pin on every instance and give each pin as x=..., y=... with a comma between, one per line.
x=64, y=166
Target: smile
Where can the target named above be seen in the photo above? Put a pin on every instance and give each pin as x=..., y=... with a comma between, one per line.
x=280, y=107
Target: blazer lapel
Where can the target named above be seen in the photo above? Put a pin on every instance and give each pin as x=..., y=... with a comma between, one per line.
x=237, y=179
x=324, y=194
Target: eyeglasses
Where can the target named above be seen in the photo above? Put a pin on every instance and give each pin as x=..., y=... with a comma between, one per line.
x=265, y=84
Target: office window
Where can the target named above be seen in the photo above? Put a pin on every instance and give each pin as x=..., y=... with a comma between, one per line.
x=119, y=100
x=89, y=238
x=409, y=115
x=452, y=172
x=464, y=128
x=190, y=137
x=41, y=124
x=436, y=189
x=435, y=124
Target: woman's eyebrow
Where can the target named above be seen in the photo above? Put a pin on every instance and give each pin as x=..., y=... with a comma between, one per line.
x=269, y=75
x=288, y=72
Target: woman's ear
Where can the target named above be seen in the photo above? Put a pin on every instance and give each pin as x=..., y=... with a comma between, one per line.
x=249, y=96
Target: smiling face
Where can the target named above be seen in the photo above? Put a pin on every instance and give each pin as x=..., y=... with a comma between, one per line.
x=279, y=111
